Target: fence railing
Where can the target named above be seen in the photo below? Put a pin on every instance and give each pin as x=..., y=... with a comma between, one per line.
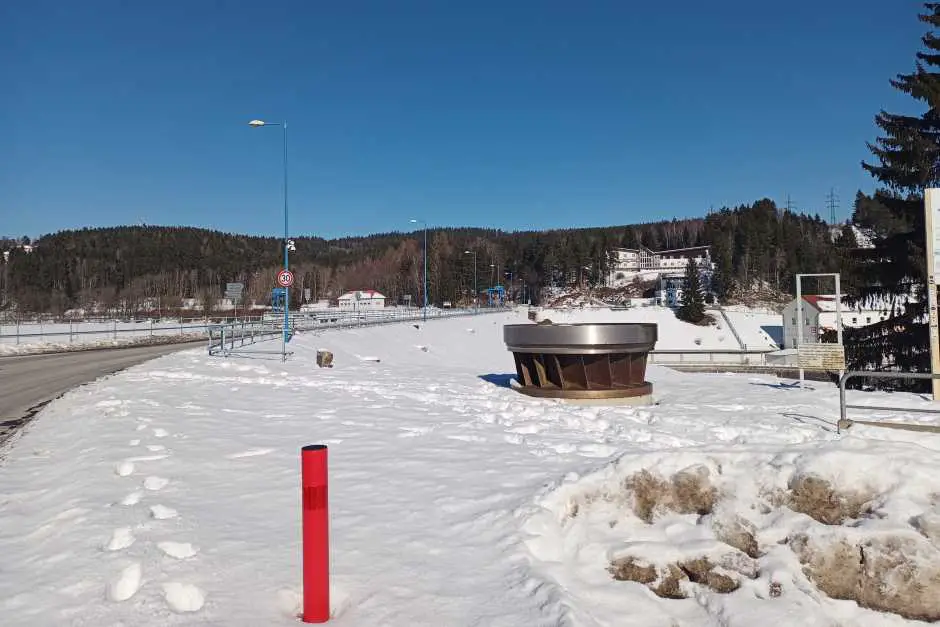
x=710, y=357
x=58, y=332
x=224, y=338
x=843, y=406
x=75, y=332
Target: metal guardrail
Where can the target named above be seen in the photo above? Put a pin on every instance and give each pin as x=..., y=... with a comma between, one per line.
x=224, y=337
x=730, y=326
x=843, y=406
x=139, y=328
x=200, y=326
x=710, y=357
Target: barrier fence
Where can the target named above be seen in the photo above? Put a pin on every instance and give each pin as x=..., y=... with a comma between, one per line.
x=77, y=332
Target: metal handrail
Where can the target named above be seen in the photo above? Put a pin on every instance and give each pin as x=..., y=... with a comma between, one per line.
x=879, y=375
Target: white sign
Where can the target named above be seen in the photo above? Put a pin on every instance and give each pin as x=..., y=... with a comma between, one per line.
x=821, y=356
x=932, y=202
x=234, y=287
x=285, y=278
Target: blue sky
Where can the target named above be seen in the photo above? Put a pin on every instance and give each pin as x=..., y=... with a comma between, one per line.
x=512, y=114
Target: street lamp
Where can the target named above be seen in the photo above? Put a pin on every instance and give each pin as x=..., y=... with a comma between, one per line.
x=413, y=221
x=287, y=243
x=510, y=284
x=476, y=292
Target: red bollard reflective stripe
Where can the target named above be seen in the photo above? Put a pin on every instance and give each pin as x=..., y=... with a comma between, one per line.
x=316, y=534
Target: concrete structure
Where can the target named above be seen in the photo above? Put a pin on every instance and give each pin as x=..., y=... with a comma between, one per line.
x=582, y=361
x=819, y=316
x=361, y=300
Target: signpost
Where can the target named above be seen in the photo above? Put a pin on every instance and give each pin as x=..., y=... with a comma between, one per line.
x=821, y=357
x=932, y=226
x=233, y=292
x=815, y=353
x=285, y=278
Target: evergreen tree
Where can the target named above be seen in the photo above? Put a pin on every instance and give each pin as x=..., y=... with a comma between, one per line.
x=893, y=273
x=692, y=307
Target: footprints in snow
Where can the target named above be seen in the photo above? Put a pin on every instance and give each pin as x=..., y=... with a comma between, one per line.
x=121, y=538
x=155, y=484
x=180, y=597
x=162, y=512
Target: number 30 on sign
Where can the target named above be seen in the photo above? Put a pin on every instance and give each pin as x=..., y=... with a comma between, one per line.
x=285, y=278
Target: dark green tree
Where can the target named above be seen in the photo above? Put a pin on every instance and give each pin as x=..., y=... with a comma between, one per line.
x=893, y=272
x=692, y=305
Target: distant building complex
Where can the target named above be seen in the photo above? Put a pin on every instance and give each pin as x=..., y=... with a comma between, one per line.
x=665, y=266
x=361, y=299
x=819, y=316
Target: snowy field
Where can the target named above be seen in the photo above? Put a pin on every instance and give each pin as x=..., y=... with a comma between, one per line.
x=757, y=329
x=675, y=334
x=169, y=495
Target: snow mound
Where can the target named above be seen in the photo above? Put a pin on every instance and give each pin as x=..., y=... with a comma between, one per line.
x=802, y=527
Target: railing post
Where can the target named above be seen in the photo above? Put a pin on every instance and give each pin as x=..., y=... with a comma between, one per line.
x=842, y=381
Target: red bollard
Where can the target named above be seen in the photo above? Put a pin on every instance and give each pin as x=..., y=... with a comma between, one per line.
x=316, y=534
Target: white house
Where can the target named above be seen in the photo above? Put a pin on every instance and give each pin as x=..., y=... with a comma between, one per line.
x=361, y=299
x=819, y=315
x=630, y=261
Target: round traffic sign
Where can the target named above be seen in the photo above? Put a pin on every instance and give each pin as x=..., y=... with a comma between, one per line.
x=285, y=278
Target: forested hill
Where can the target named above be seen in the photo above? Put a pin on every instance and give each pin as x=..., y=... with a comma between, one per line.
x=110, y=265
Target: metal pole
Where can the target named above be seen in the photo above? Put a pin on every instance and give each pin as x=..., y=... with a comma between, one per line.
x=931, y=198
x=476, y=290
x=286, y=289
x=799, y=322
x=425, y=271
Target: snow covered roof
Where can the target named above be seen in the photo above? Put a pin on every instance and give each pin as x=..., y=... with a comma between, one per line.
x=361, y=295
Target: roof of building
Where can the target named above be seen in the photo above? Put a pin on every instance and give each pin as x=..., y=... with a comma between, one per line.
x=361, y=295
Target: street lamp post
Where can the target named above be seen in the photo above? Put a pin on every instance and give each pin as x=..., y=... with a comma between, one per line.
x=476, y=292
x=425, y=312
x=510, y=284
x=259, y=124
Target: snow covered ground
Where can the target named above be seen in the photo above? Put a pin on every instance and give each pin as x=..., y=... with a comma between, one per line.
x=757, y=329
x=169, y=495
x=674, y=334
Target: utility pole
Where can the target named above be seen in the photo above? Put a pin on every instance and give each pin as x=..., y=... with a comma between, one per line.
x=791, y=206
x=832, y=201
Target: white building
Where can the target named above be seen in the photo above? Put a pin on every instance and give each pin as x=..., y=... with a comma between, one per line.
x=361, y=299
x=630, y=261
x=819, y=315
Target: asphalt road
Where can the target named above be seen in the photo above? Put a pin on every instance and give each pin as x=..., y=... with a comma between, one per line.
x=28, y=382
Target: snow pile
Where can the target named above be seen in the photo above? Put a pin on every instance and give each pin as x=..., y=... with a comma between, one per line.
x=674, y=334
x=169, y=494
x=736, y=536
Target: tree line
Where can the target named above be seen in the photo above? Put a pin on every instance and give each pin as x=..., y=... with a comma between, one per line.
x=130, y=266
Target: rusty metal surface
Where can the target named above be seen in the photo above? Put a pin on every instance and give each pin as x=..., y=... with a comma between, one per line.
x=581, y=361
x=645, y=389
x=580, y=339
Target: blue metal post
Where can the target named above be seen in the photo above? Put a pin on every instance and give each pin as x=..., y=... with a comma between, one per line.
x=425, y=271
x=286, y=289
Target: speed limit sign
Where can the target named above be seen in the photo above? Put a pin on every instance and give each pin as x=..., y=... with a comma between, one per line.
x=285, y=278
